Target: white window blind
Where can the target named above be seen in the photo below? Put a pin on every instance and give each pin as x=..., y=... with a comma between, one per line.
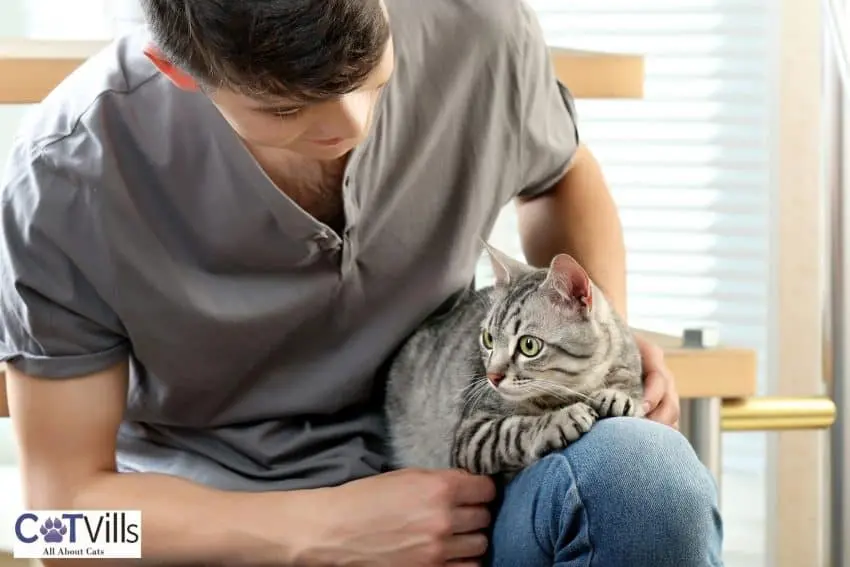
x=689, y=167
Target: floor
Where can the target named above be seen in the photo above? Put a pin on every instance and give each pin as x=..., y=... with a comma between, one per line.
x=744, y=537
x=744, y=500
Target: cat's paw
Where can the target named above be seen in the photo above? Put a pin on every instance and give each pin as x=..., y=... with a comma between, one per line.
x=614, y=403
x=581, y=415
x=565, y=427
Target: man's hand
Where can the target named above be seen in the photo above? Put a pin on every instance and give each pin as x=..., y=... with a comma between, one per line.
x=661, y=400
x=411, y=517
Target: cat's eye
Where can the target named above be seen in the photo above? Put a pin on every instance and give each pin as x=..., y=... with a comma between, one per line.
x=487, y=339
x=530, y=346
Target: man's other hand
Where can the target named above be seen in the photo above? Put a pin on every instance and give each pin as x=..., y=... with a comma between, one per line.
x=661, y=399
x=414, y=518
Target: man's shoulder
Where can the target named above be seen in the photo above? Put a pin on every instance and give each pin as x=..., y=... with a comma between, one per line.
x=460, y=62
x=482, y=23
x=107, y=123
x=101, y=86
x=463, y=47
x=499, y=19
x=100, y=132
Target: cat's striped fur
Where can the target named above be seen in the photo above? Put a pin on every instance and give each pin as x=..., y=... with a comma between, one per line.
x=511, y=372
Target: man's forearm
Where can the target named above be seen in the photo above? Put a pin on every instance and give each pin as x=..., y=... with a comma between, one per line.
x=578, y=217
x=184, y=523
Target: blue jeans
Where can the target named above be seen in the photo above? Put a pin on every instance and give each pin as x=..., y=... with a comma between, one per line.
x=630, y=493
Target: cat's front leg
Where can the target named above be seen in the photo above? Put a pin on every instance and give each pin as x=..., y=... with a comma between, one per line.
x=611, y=402
x=486, y=443
x=560, y=429
x=490, y=444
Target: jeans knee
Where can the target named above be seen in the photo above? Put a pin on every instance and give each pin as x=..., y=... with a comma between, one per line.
x=644, y=463
x=642, y=485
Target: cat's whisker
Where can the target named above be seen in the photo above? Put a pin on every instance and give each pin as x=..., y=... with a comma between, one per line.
x=568, y=393
x=481, y=395
x=475, y=394
x=477, y=383
x=555, y=384
x=471, y=377
x=474, y=403
x=556, y=389
x=546, y=389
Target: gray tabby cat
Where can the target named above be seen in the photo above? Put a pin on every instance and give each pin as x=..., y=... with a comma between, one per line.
x=511, y=372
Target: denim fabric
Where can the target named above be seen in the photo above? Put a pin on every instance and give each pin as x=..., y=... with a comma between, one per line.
x=630, y=493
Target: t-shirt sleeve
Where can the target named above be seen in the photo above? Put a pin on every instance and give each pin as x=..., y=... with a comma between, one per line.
x=548, y=123
x=53, y=323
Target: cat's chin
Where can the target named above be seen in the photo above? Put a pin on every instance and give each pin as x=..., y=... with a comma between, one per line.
x=514, y=398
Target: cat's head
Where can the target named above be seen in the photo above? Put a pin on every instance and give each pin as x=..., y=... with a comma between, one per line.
x=546, y=335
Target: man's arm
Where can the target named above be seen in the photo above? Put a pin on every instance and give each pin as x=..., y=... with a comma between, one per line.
x=66, y=431
x=579, y=217
x=559, y=212
x=4, y=405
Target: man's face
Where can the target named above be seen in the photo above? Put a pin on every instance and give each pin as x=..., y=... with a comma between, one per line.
x=325, y=130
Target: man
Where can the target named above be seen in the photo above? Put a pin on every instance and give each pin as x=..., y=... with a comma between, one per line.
x=214, y=234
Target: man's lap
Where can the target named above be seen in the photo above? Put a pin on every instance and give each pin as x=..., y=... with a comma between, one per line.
x=630, y=492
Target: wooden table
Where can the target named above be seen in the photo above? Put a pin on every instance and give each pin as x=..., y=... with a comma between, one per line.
x=714, y=372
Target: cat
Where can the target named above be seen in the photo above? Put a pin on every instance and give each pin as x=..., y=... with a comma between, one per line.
x=511, y=372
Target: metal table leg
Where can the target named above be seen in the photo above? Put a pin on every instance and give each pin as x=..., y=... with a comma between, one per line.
x=700, y=422
x=701, y=418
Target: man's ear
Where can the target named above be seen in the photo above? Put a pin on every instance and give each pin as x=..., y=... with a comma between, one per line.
x=180, y=79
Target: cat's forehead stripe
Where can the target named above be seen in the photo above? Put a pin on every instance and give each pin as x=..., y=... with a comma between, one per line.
x=515, y=300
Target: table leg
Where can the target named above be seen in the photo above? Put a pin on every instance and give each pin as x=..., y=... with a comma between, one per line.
x=700, y=423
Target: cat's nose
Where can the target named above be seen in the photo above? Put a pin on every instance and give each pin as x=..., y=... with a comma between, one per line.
x=495, y=378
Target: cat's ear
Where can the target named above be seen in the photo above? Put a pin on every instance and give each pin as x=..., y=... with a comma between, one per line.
x=569, y=281
x=505, y=268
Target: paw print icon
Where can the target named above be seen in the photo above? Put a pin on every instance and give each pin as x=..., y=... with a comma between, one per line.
x=53, y=530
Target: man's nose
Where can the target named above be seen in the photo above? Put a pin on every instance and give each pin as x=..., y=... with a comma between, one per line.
x=350, y=117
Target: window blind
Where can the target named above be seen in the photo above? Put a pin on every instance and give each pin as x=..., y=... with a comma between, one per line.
x=689, y=166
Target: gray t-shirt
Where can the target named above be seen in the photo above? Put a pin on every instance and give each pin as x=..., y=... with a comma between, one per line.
x=135, y=224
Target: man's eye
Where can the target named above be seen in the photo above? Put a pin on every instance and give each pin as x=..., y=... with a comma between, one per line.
x=282, y=113
x=286, y=114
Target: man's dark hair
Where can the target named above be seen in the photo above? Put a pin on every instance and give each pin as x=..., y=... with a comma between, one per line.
x=305, y=50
